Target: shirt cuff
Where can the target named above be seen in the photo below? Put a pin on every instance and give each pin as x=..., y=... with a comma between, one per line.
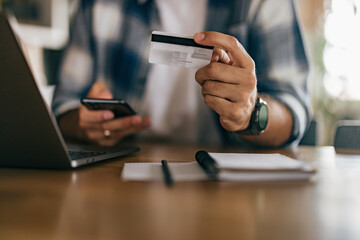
x=66, y=107
x=300, y=117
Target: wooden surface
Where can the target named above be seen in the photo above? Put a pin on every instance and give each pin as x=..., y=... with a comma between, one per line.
x=94, y=202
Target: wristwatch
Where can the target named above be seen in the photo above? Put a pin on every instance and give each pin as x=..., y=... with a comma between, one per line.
x=258, y=120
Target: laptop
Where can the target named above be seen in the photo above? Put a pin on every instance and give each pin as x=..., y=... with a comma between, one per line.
x=29, y=134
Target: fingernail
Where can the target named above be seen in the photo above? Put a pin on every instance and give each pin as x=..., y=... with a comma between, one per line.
x=199, y=36
x=108, y=115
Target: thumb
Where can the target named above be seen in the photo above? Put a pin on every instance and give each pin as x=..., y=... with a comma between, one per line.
x=100, y=90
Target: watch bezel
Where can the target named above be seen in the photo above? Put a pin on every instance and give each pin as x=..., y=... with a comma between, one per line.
x=254, y=124
x=262, y=105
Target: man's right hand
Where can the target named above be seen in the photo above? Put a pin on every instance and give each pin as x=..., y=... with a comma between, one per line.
x=101, y=127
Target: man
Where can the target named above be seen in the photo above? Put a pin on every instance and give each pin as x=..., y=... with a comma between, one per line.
x=107, y=58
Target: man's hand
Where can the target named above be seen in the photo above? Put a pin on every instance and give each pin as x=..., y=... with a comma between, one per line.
x=229, y=81
x=100, y=126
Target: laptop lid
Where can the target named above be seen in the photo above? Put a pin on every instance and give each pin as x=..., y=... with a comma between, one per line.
x=29, y=134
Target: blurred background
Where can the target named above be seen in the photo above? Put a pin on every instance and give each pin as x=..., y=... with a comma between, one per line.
x=331, y=31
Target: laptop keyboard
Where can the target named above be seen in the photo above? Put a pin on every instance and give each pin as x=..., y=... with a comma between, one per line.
x=83, y=154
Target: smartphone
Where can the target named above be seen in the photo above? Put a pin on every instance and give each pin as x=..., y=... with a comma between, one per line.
x=119, y=107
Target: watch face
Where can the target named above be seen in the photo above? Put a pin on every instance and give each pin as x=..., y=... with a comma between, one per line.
x=263, y=117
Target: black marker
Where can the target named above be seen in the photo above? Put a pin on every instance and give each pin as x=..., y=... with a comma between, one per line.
x=207, y=164
x=167, y=175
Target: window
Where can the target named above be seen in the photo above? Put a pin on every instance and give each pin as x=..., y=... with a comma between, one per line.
x=342, y=51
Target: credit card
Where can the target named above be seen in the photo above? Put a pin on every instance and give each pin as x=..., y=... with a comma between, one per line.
x=178, y=50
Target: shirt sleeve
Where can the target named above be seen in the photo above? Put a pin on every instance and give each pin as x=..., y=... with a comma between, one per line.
x=75, y=75
x=276, y=45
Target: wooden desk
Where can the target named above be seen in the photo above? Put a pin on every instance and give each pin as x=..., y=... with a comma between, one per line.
x=94, y=202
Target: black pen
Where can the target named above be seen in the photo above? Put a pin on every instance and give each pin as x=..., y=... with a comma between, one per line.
x=167, y=175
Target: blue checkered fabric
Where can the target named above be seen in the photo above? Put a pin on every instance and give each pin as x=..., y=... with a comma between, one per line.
x=111, y=38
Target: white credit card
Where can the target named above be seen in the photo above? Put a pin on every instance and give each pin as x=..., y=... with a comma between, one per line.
x=178, y=50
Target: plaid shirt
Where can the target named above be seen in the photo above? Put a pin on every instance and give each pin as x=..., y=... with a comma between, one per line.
x=111, y=40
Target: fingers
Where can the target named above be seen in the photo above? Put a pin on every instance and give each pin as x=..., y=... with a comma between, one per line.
x=91, y=119
x=233, y=104
x=117, y=129
x=96, y=125
x=118, y=134
x=229, y=81
x=225, y=73
x=129, y=131
x=219, y=55
x=121, y=124
x=97, y=116
x=224, y=81
x=230, y=92
x=99, y=90
x=234, y=116
x=236, y=52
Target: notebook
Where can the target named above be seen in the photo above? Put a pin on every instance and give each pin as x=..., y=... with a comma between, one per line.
x=253, y=167
x=29, y=134
x=236, y=167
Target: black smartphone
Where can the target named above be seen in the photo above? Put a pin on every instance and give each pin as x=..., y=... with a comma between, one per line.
x=119, y=107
